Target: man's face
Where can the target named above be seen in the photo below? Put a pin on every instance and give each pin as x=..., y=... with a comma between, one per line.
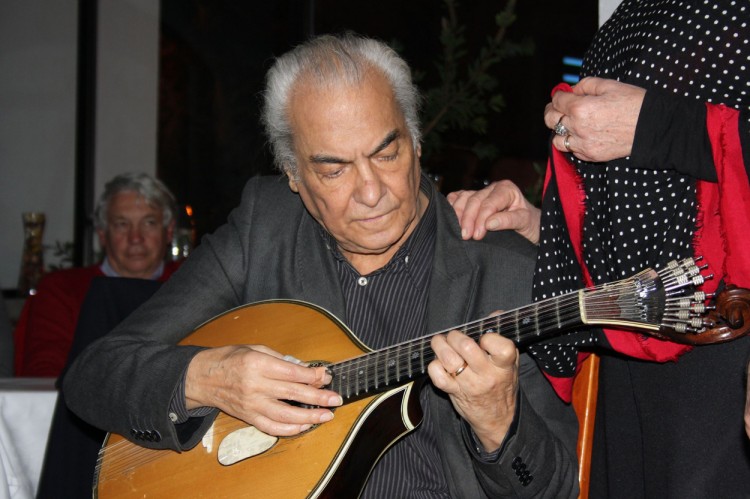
x=358, y=173
x=135, y=239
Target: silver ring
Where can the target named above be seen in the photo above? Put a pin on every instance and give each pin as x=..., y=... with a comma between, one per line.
x=566, y=143
x=460, y=369
x=561, y=129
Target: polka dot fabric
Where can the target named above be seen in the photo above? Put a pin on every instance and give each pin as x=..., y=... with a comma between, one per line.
x=638, y=218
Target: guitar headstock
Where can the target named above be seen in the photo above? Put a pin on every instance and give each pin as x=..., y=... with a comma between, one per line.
x=727, y=319
x=668, y=304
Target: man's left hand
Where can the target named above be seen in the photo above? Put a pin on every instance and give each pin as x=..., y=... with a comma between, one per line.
x=481, y=380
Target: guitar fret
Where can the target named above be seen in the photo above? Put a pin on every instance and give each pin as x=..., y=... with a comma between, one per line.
x=367, y=377
x=398, y=366
x=377, y=355
x=341, y=381
x=408, y=356
x=487, y=329
x=356, y=381
x=384, y=365
x=348, y=379
x=421, y=357
x=388, y=364
x=343, y=389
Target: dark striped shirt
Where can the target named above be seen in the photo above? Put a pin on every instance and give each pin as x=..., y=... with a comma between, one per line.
x=389, y=306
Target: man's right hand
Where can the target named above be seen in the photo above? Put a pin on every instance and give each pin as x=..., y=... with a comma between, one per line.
x=499, y=206
x=255, y=384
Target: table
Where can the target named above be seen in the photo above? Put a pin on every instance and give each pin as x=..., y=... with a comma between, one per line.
x=26, y=407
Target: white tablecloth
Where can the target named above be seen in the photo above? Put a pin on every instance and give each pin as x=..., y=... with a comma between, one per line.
x=26, y=406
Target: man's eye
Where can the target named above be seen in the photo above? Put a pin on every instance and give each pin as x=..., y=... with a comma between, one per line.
x=390, y=153
x=334, y=174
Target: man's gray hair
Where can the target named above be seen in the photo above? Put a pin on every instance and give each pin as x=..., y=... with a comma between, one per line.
x=153, y=191
x=328, y=60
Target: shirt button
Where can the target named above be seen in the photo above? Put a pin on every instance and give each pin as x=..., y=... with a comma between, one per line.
x=173, y=417
x=406, y=259
x=362, y=281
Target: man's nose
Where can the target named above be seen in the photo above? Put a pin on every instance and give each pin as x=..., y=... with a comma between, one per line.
x=135, y=234
x=370, y=188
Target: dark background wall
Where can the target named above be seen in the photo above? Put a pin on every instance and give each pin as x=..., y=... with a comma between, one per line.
x=214, y=54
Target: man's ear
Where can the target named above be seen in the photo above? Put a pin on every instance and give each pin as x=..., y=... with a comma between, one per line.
x=292, y=182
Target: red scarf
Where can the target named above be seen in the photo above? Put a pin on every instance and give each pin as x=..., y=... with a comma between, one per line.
x=723, y=222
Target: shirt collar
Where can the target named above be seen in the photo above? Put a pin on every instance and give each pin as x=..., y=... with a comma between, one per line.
x=109, y=271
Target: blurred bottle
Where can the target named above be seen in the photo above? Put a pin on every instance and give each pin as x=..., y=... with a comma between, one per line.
x=32, y=259
x=183, y=239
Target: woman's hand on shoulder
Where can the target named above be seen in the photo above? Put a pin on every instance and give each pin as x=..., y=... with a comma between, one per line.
x=499, y=206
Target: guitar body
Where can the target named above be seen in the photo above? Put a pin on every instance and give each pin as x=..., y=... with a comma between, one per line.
x=331, y=460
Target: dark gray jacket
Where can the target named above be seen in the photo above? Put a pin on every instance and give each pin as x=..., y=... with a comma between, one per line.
x=271, y=248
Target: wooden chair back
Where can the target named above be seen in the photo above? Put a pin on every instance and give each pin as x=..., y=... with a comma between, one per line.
x=585, y=390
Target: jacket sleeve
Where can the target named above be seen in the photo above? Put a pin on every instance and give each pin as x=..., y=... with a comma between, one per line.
x=539, y=458
x=680, y=134
x=133, y=372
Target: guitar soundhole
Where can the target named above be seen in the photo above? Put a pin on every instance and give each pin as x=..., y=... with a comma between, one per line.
x=316, y=363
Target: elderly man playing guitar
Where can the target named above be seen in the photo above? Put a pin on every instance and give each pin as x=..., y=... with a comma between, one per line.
x=357, y=230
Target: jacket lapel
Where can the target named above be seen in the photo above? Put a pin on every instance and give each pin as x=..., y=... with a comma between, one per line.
x=452, y=294
x=316, y=268
x=453, y=280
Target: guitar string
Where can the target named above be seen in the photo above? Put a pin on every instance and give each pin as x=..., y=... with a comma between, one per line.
x=566, y=307
x=123, y=455
x=376, y=375
x=599, y=299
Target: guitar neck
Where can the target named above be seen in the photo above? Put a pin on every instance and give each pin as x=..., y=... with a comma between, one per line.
x=396, y=365
x=649, y=302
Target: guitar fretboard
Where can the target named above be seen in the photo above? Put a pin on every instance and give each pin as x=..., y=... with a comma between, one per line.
x=381, y=370
x=650, y=301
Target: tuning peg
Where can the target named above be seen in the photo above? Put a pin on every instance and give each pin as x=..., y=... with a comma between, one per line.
x=698, y=308
x=696, y=323
x=698, y=280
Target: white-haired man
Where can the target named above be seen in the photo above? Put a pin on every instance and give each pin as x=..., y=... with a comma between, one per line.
x=134, y=220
